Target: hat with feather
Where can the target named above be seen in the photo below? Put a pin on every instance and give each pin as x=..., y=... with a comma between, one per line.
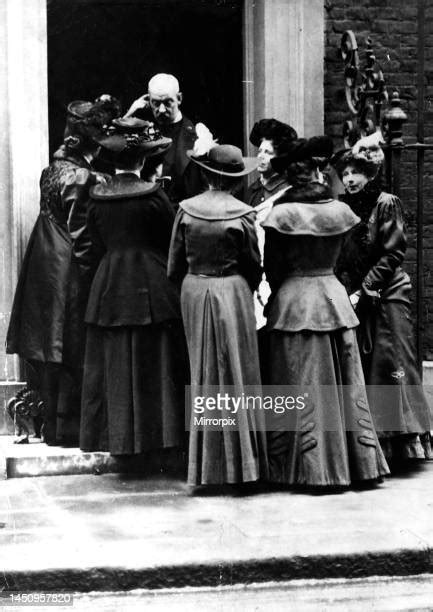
x=87, y=120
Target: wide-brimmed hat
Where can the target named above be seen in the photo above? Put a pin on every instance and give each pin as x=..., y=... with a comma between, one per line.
x=272, y=129
x=87, y=120
x=226, y=160
x=345, y=157
x=129, y=133
x=302, y=149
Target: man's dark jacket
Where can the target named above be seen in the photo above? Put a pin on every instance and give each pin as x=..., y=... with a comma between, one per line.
x=186, y=177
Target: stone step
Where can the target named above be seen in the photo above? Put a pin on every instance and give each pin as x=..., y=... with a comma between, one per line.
x=38, y=459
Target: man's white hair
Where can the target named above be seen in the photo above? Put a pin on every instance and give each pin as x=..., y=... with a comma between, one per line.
x=163, y=82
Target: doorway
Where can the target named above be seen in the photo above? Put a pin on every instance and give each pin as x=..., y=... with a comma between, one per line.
x=115, y=46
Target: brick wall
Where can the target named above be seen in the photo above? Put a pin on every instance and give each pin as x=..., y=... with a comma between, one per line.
x=393, y=28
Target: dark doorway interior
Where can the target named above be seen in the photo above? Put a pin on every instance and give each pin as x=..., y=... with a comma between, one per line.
x=115, y=46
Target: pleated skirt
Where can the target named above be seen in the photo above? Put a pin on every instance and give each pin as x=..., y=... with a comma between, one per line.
x=134, y=388
x=332, y=441
x=220, y=328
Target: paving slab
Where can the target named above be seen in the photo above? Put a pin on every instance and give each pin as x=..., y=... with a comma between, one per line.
x=113, y=531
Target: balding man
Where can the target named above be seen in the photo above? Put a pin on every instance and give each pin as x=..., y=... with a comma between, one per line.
x=162, y=105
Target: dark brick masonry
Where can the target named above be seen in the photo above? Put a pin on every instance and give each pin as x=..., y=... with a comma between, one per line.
x=393, y=28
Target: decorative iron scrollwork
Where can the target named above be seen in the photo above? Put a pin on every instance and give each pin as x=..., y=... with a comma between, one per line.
x=365, y=88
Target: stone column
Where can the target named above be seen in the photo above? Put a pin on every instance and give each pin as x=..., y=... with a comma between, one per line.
x=24, y=148
x=284, y=63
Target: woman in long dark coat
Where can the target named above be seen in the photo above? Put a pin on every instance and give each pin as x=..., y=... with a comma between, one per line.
x=214, y=254
x=331, y=441
x=136, y=364
x=371, y=267
x=46, y=328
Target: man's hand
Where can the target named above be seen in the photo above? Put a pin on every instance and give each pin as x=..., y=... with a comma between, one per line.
x=140, y=103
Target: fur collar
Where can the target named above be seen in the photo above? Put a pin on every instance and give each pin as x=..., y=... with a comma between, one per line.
x=313, y=192
x=122, y=186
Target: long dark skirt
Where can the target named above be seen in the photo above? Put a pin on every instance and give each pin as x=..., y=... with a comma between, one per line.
x=59, y=386
x=134, y=388
x=220, y=328
x=385, y=337
x=332, y=441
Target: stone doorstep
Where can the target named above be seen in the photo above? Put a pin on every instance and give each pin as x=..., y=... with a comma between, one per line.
x=38, y=459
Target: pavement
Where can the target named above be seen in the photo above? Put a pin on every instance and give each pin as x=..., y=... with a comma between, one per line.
x=114, y=532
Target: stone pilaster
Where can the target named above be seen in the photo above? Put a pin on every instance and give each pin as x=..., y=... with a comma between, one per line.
x=283, y=63
x=24, y=148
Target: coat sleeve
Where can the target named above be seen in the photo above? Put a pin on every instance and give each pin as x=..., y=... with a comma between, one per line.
x=250, y=260
x=275, y=268
x=391, y=237
x=177, y=267
x=163, y=219
x=97, y=245
x=75, y=188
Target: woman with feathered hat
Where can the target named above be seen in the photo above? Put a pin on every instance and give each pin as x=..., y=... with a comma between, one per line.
x=46, y=327
x=370, y=266
x=214, y=255
x=331, y=440
x=136, y=363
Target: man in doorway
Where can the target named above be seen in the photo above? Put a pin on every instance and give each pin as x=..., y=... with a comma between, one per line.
x=162, y=105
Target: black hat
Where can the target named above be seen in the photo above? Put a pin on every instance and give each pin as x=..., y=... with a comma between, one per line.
x=301, y=149
x=86, y=119
x=129, y=133
x=272, y=129
x=225, y=160
x=343, y=158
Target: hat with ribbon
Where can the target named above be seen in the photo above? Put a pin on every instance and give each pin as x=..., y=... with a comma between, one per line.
x=226, y=160
x=128, y=133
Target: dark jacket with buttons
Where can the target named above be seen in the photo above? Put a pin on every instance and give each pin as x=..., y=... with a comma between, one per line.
x=258, y=193
x=132, y=220
x=373, y=252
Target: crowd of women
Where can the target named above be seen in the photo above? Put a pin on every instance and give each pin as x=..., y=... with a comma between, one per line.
x=122, y=302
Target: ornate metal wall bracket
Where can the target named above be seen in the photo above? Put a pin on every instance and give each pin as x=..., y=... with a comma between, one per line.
x=366, y=94
x=364, y=87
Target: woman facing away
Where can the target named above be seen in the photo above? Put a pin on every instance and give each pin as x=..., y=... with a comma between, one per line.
x=214, y=255
x=136, y=363
x=370, y=266
x=311, y=326
x=46, y=328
